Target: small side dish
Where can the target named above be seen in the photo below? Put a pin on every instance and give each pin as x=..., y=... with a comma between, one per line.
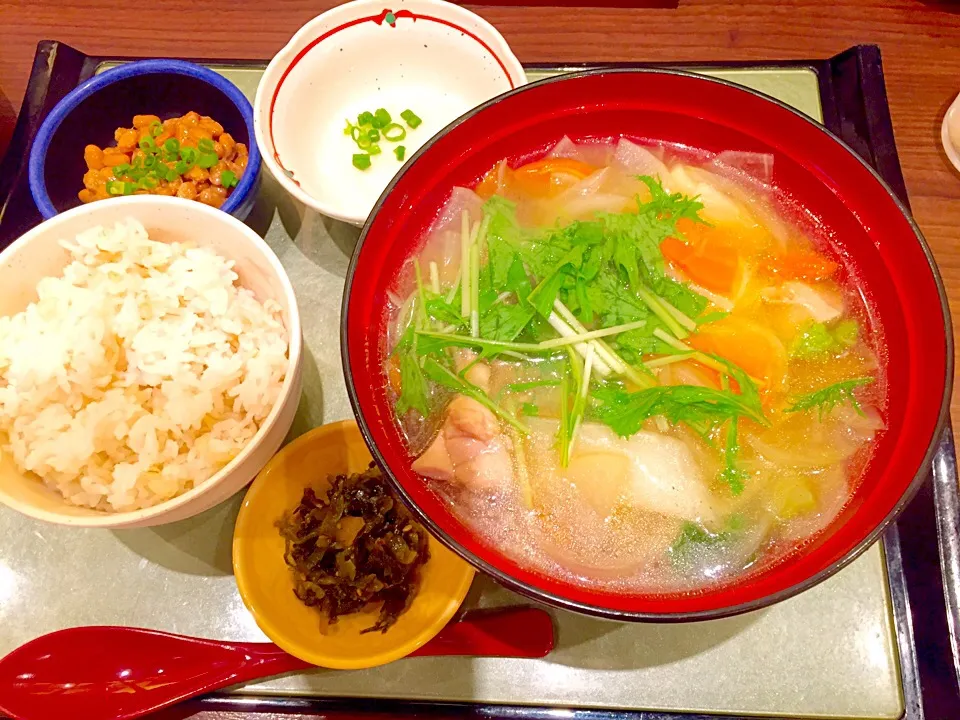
x=336, y=454
x=443, y=61
x=139, y=372
x=357, y=546
x=191, y=157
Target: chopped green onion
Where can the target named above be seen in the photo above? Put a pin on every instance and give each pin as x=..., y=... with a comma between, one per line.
x=348, y=130
x=117, y=187
x=121, y=169
x=172, y=145
x=228, y=178
x=374, y=149
x=188, y=155
x=606, y=357
x=400, y=151
x=592, y=334
x=207, y=160
x=181, y=167
x=365, y=118
x=148, y=145
x=156, y=128
x=381, y=118
x=656, y=305
x=356, y=133
x=411, y=119
x=147, y=183
x=205, y=145
x=363, y=142
x=394, y=132
x=361, y=161
x=373, y=134
x=150, y=162
x=172, y=174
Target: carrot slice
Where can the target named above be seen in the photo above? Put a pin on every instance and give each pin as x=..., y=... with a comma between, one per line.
x=707, y=260
x=491, y=182
x=746, y=344
x=549, y=177
x=393, y=374
x=799, y=264
x=539, y=179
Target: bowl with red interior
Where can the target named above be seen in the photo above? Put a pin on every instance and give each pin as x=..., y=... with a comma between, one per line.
x=647, y=345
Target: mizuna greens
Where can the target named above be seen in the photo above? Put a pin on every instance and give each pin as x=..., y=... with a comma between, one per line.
x=535, y=293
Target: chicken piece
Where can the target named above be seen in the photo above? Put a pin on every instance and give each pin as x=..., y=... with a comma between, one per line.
x=470, y=450
x=435, y=462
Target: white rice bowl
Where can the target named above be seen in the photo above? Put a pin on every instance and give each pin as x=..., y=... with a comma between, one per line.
x=139, y=372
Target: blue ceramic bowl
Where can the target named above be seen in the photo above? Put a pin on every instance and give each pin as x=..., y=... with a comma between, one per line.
x=91, y=112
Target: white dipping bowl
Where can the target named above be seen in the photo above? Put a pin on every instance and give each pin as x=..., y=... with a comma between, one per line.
x=38, y=254
x=435, y=59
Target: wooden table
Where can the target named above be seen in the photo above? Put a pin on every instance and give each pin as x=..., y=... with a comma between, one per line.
x=920, y=41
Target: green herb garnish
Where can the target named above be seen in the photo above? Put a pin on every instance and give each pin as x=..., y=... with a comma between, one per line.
x=413, y=386
x=819, y=340
x=530, y=409
x=372, y=127
x=207, y=160
x=381, y=118
x=394, y=132
x=118, y=187
x=731, y=475
x=361, y=161
x=165, y=162
x=701, y=408
x=693, y=536
x=827, y=398
x=411, y=119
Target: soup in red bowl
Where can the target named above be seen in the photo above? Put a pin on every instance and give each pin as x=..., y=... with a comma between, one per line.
x=647, y=345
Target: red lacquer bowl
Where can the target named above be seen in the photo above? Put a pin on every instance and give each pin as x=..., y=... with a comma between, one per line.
x=836, y=188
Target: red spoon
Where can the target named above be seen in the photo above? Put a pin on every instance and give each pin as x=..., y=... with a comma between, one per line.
x=118, y=673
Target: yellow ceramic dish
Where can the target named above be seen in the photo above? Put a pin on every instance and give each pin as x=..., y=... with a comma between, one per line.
x=266, y=584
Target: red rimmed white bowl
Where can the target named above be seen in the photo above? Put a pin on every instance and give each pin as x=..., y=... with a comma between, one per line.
x=428, y=56
x=835, y=187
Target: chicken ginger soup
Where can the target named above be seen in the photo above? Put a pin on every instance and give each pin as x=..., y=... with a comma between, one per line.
x=633, y=367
